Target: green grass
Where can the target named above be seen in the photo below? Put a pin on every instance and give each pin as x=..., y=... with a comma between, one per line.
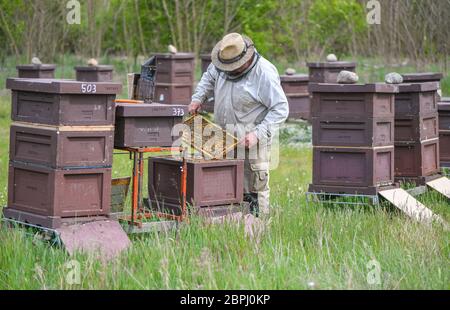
x=328, y=246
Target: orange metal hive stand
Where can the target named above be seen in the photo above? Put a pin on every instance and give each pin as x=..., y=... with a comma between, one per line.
x=138, y=212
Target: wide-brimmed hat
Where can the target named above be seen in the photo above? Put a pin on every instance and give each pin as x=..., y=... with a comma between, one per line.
x=232, y=52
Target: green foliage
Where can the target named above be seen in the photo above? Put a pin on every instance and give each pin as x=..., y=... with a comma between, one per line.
x=258, y=19
x=336, y=23
x=287, y=29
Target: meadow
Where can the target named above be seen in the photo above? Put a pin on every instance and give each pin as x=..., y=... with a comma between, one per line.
x=304, y=246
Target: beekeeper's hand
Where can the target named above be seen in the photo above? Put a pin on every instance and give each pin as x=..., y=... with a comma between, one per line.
x=250, y=140
x=194, y=107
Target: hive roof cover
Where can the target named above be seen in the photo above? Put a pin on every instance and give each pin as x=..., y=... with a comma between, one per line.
x=36, y=67
x=150, y=109
x=63, y=86
x=94, y=68
x=334, y=64
x=180, y=55
x=107, y=239
x=353, y=88
x=299, y=77
x=422, y=76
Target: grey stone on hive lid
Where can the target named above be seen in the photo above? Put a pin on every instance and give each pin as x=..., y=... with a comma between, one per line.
x=36, y=61
x=92, y=62
x=290, y=71
x=172, y=49
x=331, y=58
x=347, y=77
x=393, y=78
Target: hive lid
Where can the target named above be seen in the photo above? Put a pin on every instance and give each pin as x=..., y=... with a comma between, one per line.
x=417, y=87
x=36, y=67
x=353, y=88
x=94, y=68
x=422, y=77
x=335, y=64
x=175, y=56
x=444, y=105
x=294, y=78
x=59, y=86
x=445, y=99
x=150, y=109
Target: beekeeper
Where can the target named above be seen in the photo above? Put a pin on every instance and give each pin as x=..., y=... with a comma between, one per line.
x=247, y=95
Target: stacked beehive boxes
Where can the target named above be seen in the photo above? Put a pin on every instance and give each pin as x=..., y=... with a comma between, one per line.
x=416, y=133
x=60, y=150
x=295, y=87
x=444, y=131
x=353, y=137
x=43, y=71
x=174, y=78
x=208, y=105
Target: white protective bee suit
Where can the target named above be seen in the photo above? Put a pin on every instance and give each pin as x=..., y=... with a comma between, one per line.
x=254, y=101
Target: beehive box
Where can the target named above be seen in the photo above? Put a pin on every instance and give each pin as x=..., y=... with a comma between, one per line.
x=444, y=148
x=299, y=106
x=175, y=68
x=101, y=73
x=327, y=72
x=206, y=60
x=364, y=132
x=43, y=71
x=417, y=159
x=62, y=147
x=139, y=125
x=209, y=182
x=444, y=114
x=358, y=101
x=353, y=167
x=43, y=196
x=415, y=99
x=422, y=77
x=63, y=102
x=416, y=128
x=173, y=93
x=295, y=84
